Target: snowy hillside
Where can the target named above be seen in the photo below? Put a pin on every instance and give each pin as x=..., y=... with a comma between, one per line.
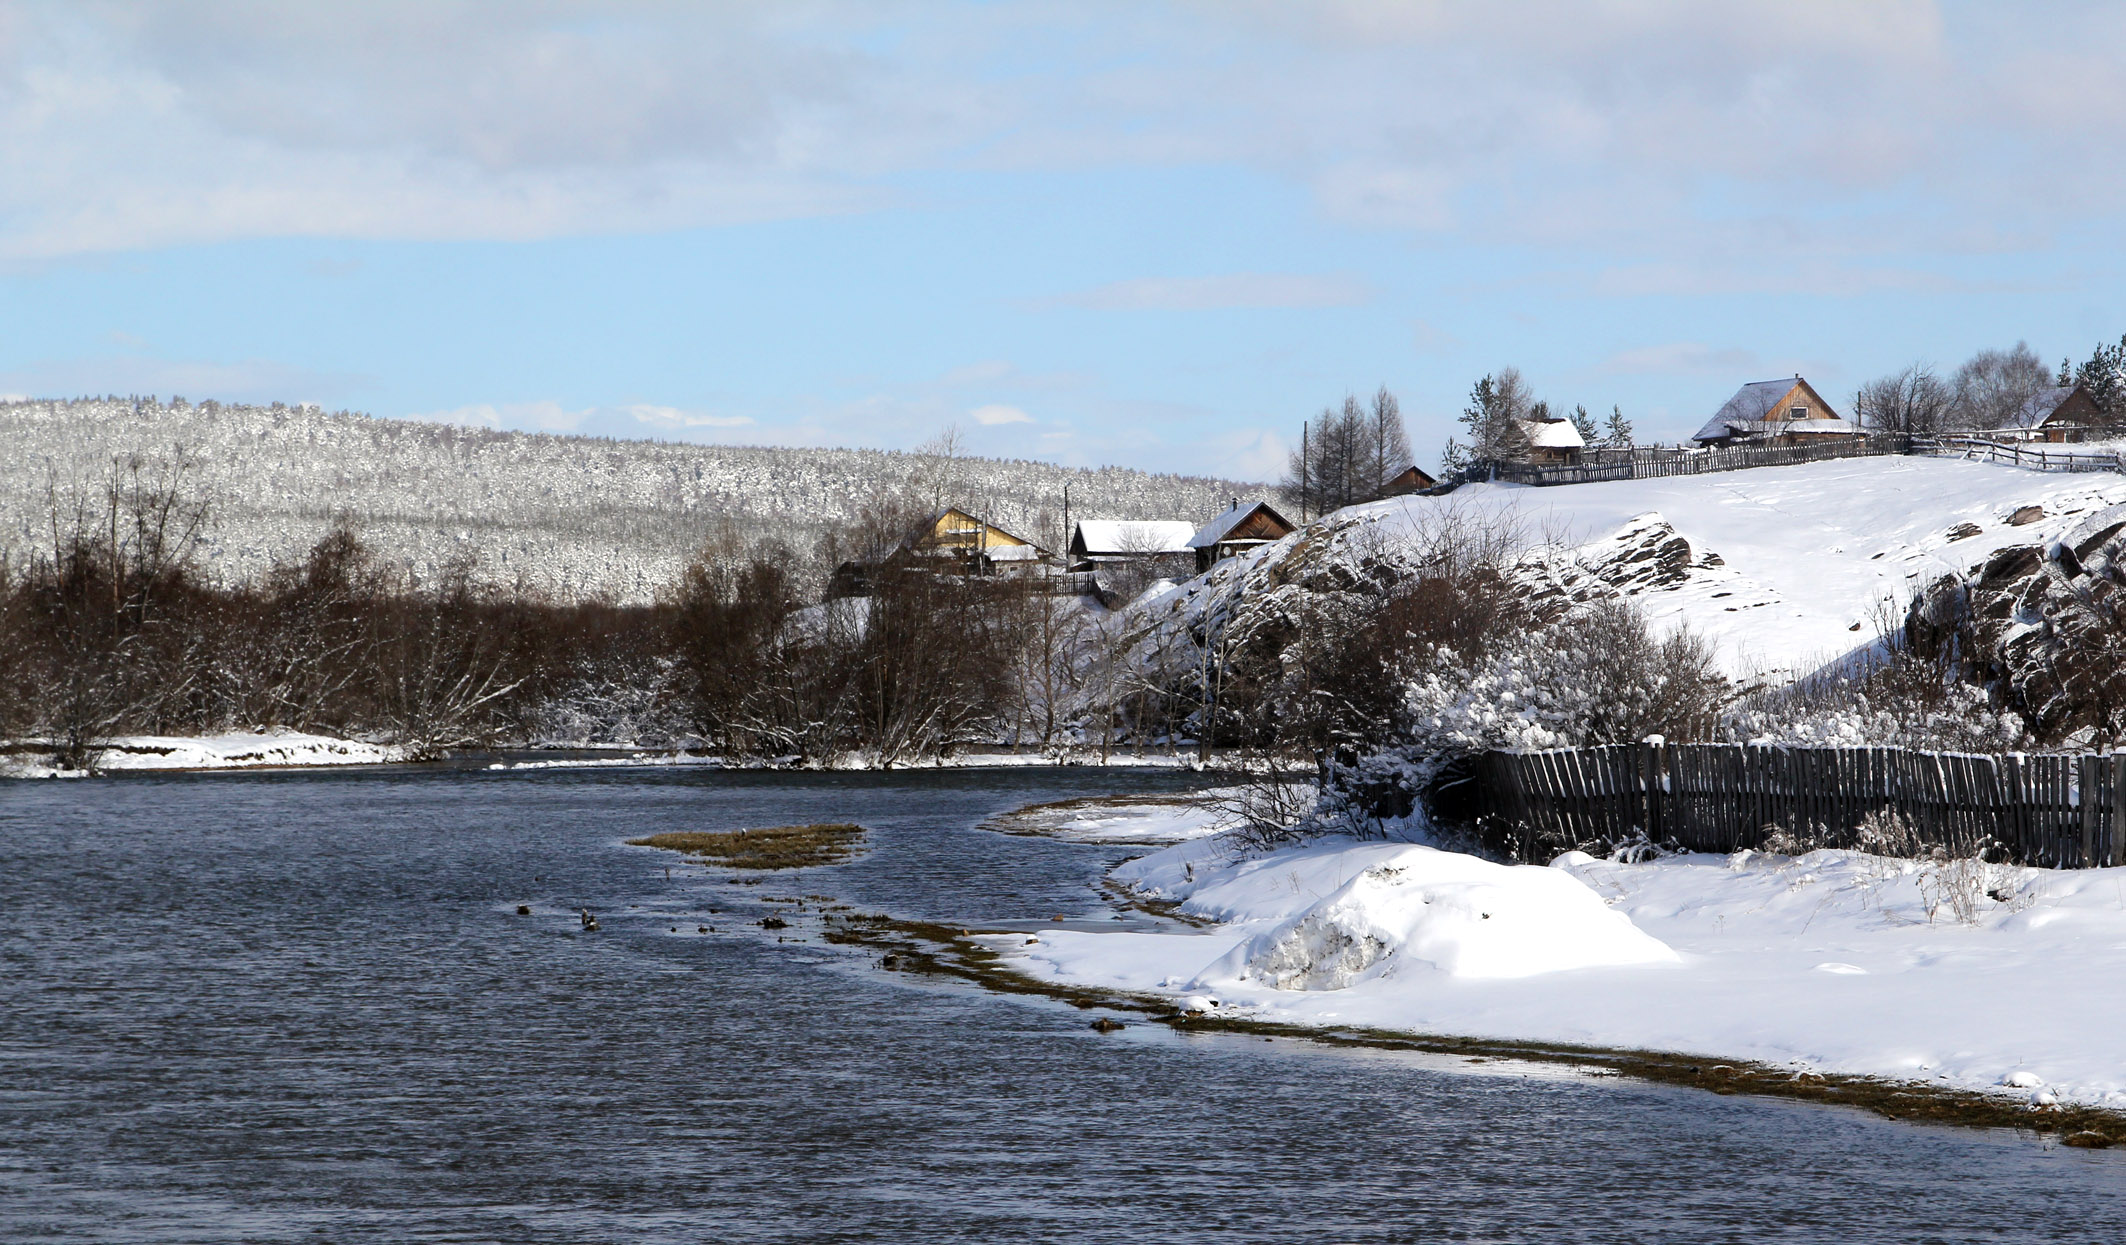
x=1788, y=561
x=1784, y=568
x=573, y=516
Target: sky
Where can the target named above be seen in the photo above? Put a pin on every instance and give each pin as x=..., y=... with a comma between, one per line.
x=1154, y=235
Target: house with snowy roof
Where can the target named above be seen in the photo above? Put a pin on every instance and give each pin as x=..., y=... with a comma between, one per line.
x=1774, y=412
x=2062, y=413
x=1552, y=440
x=1099, y=542
x=982, y=546
x=1246, y=526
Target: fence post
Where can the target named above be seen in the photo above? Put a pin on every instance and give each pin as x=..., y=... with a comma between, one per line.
x=2086, y=796
x=1650, y=768
x=2115, y=833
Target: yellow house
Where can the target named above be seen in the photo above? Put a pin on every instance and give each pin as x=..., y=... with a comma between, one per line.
x=954, y=532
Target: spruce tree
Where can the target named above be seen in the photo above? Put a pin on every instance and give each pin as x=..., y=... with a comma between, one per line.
x=1616, y=434
x=1584, y=424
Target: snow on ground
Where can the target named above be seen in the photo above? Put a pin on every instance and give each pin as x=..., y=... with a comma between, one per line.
x=230, y=750
x=1805, y=554
x=240, y=750
x=1833, y=961
x=1147, y=820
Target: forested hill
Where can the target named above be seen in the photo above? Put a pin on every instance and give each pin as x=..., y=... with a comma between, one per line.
x=568, y=516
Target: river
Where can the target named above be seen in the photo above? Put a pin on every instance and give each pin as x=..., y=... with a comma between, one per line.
x=303, y=1008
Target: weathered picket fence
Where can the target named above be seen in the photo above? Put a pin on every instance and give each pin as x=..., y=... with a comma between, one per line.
x=2063, y=811
x=2033, y=455
x=1654, y=462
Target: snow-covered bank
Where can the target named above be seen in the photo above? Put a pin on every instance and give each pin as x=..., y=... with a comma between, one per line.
x=233, y=750
x=1791, y=565
x=1785, y=570
x=1963, y=975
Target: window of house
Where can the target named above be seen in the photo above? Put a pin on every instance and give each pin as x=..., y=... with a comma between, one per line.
x=1799, y=412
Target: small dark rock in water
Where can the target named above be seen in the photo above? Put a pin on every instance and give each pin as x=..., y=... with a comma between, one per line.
x=701, y=929
x=2086, y=1140
x=890, y=962
x=675, y=929
x=523, y=909
x=1104, y=1025
x=773, y=922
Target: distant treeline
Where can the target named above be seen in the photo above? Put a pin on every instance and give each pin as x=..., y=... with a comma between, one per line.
x=565, y=517
x=111, y=629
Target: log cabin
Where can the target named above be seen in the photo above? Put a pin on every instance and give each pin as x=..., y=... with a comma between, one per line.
x=1411, y=479
x=1246, y=526
x=1163, y=542
x=2064, y=413
x=1774, y=412
x=1552, y=441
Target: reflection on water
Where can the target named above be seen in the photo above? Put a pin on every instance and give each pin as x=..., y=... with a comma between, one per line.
x=304, y=1008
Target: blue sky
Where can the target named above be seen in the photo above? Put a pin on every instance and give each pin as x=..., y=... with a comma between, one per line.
x=1154, y=235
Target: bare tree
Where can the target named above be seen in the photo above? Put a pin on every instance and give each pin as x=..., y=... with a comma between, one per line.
x=1993, y=385
x=1910, y=401
x=1391, y=442
x=1348, y=454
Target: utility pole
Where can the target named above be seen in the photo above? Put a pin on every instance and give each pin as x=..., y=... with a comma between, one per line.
x=1303, y=472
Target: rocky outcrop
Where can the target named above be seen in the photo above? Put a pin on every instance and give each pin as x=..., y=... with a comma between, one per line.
x=2041, y=625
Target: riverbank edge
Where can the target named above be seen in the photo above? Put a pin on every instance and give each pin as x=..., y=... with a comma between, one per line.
x=950, y=951
x=15, y=762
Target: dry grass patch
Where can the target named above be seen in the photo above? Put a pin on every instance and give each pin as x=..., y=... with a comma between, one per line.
x=771, y=847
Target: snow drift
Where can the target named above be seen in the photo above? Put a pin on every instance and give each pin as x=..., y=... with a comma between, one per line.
x=1456, y=914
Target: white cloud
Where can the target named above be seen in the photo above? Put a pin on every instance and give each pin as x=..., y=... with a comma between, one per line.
x=1646, y=128
x=1246, y=454
x=543, y=416
x=1237, y=290
x=673, y=417
x=997, y=413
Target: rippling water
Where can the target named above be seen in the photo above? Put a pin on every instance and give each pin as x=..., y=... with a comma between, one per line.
x=303, y=1008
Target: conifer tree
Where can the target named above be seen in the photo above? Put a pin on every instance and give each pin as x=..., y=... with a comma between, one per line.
x=1584, y=424
x=1616, y=434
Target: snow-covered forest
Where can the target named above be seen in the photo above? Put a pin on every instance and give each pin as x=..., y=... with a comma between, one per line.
x=562, y=516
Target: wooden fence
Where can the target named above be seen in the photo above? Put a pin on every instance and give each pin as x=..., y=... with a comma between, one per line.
x=2034, y=455
x=1654, y=462
x=2060, y=811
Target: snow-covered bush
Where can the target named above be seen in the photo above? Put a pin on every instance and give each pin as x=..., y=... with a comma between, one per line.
x=1901, y=700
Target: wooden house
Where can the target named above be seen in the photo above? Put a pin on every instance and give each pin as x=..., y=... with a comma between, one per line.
x=978, y=546
x=2066, y=413
x=1411, y=479
x=1161, y=543
x=1774, y=412
x=1248, y=525
x=1552, y=441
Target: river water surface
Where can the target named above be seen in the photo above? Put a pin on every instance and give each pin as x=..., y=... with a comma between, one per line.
x=302, y=1007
